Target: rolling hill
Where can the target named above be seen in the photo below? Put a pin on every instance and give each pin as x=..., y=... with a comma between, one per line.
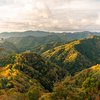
x=74, y=56
x=36, y=67
x=9, y=48
x=85, y=85
x=24, y=71
x=26, y=43
x=42, y=48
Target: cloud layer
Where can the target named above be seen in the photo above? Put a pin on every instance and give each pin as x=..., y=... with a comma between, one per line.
x=49, y=15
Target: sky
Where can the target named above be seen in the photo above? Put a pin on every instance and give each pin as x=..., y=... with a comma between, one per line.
x=49, y=15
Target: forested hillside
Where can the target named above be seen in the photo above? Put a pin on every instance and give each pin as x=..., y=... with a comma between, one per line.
x=42, y=48
x=21, y=78
x=24, y=70
x=74, y=56
x=8, y=48
x=26, y=43
x=83, y=86
x=36, y=67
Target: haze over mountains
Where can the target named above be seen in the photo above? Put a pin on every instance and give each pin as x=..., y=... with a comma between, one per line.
x=76, y=35
x=22, y=34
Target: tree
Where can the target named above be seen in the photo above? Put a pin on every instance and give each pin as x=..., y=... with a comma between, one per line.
x=65, y=91
x=33, y=93
x=91, y=86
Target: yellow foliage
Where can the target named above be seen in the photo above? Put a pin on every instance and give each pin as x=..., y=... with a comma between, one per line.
x=71, y=57
x=46, y=96
x=30, y=80
x=6, y=73
x=2, y=92
x=14, y=74
x=96, y=67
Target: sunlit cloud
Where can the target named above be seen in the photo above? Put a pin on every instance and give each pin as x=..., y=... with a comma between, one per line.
x=49, y=15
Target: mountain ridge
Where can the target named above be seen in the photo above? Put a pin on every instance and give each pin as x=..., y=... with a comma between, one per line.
x=75, y=55
x=75, y=35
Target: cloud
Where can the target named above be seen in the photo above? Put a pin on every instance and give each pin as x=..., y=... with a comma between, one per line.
x=39, y=10
x=49, y=15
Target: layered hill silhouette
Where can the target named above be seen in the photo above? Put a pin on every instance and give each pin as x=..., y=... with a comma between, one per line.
x=64, y=35
x=28, y=41
x=73, y=56
x=23, y=34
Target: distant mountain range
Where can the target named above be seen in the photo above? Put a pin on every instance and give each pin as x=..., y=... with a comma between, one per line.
x=23, y=34
x=64, y=35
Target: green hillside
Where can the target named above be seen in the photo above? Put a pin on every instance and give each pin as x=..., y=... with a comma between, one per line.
x=26, y=43
x=25, y=71
x=36, y=67
x=14, y=39
x=80, y=77
x=9, y=48
x=85, y=85
x=89, y=81
x=76, y=55
x=42, y=48
x=15, y=83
